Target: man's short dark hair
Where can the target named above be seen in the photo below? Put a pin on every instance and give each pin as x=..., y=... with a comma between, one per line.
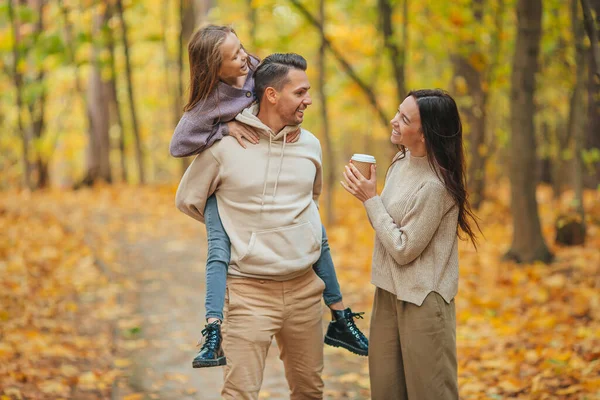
x=273, y=71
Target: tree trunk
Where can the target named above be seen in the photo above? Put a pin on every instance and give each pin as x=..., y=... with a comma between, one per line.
x=116, y=105
x=528, y=244
x=18, y=81
x=329, y=178
x=252, y=22
x=130, y=92
x=37, y=109
x=98, y=160
x=592, y=179
x=476, y=115
x=169, y=88
x=186, y=28
x=395, y=49
x=88, y=178
x=575, y=113
x=592, y=32
x=476, y=120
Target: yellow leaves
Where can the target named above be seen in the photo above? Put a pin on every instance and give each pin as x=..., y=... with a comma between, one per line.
x=460, y=85
x=45, y=264
x=592, y=385
x=511, y=385
x=532, y=356
x=527, y=330
x=6, y=350
x=539, y=295
x=483, y=150
x=88, y=381
x=522, y=330
x=72, y=307
x=11, y=394
x=457, y=18
x=55, y=388
x=477, y=61
x=122, y=363
x=569, y=390
x=556, y=281
x=69, y=371
x=135, y=396
x=348, y=377
x=181, y=378
x=191, y=391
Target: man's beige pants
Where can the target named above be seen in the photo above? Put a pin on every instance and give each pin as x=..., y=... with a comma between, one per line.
x=258, y=310
x=412, y=349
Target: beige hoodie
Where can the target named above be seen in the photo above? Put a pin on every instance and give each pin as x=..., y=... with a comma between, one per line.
x=266, y=196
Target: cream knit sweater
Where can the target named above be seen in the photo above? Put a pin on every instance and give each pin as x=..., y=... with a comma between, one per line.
x=415, y=221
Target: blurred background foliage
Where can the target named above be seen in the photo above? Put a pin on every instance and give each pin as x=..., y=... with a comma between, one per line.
x=90, y=93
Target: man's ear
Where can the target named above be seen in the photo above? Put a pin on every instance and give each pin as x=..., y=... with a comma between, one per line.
x=271, y=94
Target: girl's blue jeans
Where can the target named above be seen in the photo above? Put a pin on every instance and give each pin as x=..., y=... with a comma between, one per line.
x=219, y=255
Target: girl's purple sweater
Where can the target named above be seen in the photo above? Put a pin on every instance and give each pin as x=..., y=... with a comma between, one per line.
x=203, y=125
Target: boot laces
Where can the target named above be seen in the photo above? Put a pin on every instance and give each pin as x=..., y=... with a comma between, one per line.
x=211, y=336
x=351, y=325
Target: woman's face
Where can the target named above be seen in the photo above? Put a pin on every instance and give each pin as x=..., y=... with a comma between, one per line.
x=235, y=59
x=406, y=127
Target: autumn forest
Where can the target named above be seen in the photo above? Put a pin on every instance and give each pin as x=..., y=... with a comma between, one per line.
x=102, y=278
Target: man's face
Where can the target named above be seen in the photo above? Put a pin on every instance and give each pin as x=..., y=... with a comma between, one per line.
x=293, y=99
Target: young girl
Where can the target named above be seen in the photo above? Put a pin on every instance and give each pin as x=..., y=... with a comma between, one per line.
x=221, y=86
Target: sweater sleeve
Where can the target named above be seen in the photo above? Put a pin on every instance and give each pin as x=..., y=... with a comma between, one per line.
x=406, y=240
x=200, y=181
x=196, y=132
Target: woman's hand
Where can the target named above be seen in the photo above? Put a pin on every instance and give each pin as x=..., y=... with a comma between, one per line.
x=293, y=137
x=239, y=131
x=359, y=186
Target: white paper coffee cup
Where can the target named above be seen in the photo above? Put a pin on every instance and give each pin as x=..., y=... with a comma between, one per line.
x=363, y=162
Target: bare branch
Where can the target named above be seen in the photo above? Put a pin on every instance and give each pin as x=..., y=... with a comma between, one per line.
x=592, y=34
x=345, y=64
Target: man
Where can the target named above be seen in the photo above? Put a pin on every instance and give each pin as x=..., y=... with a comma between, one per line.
x=267, y=202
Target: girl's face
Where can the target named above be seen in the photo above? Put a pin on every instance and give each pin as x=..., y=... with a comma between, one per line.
x=235, y=59
x=406, y=127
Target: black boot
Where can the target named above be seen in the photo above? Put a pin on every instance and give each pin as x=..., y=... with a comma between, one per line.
x=211, y=354
x=342, y=332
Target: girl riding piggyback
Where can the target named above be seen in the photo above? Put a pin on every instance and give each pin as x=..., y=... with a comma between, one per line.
x=221, y=86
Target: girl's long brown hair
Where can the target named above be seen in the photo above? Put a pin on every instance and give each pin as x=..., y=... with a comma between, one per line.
x=442, y=129
x=205, y=60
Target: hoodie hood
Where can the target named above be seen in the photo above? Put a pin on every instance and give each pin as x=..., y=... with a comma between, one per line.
x=249, y=117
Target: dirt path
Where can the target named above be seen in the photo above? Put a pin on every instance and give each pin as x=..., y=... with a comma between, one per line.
x=169, y=296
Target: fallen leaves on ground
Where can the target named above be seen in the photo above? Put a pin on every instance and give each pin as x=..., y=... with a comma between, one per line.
x=523, y=331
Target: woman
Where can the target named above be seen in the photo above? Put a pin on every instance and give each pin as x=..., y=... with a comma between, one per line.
x=416, y=220
x=221, y=86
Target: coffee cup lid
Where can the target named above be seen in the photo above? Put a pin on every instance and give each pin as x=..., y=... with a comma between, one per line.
x=363, y=158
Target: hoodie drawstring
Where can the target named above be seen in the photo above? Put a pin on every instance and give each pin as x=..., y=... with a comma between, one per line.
x=262, y=200
x=280, y=165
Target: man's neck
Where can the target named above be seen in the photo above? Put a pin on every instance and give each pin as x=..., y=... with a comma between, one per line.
x=270, y=119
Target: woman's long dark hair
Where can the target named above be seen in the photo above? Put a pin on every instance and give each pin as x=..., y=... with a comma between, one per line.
x=204, y=52
x=442, y=129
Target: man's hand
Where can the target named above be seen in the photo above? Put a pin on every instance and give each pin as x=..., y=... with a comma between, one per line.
x=239, y=131
x=293, y=137
x=359, y=186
